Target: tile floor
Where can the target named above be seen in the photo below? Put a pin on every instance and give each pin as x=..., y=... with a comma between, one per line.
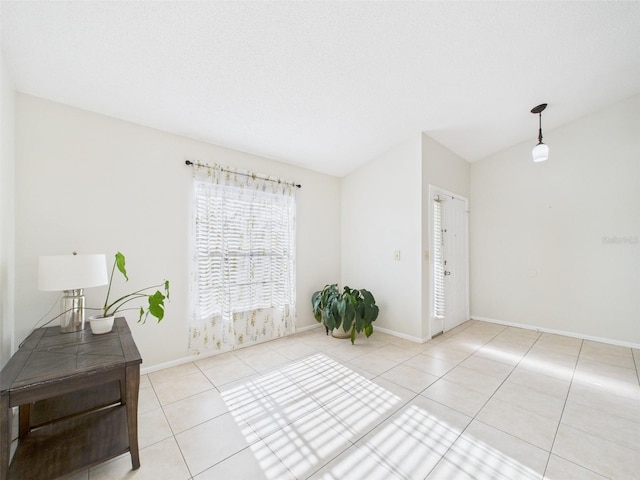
x=482, y=401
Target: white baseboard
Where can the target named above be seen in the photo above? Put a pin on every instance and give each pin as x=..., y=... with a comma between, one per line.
x=404, y=336
x=610, y=341
x=193, y=358
x=308, y=327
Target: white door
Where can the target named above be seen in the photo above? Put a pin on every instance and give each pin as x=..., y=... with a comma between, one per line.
x=450, y=261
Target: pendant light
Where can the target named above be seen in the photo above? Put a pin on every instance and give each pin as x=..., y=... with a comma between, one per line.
x=541, y=151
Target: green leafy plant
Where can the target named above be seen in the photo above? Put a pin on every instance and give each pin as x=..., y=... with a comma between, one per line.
x=325, y=306
x=355, y=310
x=155, y=300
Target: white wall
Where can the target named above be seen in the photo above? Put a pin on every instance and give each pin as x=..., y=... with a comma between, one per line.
x=7, y=223
x=381, y=214
x=539, y=249
x=448, y=171
x=95, y=184
x=91, y=183
x=445, y=169
x=384, y=209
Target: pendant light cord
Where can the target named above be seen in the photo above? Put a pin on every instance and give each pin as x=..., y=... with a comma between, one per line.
x=540, y=128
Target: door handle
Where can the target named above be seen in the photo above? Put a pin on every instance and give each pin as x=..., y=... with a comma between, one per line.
x=446, y=272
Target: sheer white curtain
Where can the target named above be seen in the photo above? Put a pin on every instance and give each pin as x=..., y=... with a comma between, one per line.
x=243, y=288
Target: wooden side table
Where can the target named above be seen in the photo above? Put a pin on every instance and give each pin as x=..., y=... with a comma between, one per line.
x=78, y=399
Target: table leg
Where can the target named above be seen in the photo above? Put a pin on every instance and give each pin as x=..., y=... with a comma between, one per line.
x=24, y=424
x=131, y=398
x=5, y=436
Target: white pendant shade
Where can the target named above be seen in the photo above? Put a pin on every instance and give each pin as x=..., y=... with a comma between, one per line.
x=540, y=152
x=71, y=272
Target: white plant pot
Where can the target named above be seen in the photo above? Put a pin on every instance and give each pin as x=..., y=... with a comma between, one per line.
x=340, y=333
x=100, y=325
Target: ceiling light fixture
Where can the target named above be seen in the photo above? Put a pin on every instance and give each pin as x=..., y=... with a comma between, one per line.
x=541, y=151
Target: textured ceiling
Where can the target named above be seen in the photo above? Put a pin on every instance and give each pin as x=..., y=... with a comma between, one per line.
x=329, y=85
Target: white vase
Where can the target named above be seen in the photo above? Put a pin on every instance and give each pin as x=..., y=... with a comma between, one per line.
x=100, y=325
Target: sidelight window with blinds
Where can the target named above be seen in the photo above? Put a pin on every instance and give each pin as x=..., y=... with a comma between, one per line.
x=438, y=260
x=244, y=261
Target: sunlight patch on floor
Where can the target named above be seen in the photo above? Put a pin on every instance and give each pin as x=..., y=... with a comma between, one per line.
x=501, y=356
x=602, y=381
x=287, y=410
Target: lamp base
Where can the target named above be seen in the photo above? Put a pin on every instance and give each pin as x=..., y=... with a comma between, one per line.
x=72, y=318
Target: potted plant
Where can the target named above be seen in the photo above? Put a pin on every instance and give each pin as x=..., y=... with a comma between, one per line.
x=103, y=323
x=355, y=310
x=324, y=304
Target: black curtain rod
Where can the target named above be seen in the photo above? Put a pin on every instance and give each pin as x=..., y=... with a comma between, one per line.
x=190, y=163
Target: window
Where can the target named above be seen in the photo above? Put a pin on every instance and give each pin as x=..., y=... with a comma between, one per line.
x=438, y=267
x=245, y=249
x=244, y=261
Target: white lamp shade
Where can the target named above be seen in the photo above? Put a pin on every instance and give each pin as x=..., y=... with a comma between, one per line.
x=540, y=152
x=71, y=272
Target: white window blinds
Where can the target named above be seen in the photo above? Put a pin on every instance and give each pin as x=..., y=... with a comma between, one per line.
x=245, y=250
x=438, y=260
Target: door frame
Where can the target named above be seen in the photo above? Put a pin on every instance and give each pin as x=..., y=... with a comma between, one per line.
x=434, y=190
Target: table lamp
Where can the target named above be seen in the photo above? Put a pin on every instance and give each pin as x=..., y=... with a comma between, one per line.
x=71, y=274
